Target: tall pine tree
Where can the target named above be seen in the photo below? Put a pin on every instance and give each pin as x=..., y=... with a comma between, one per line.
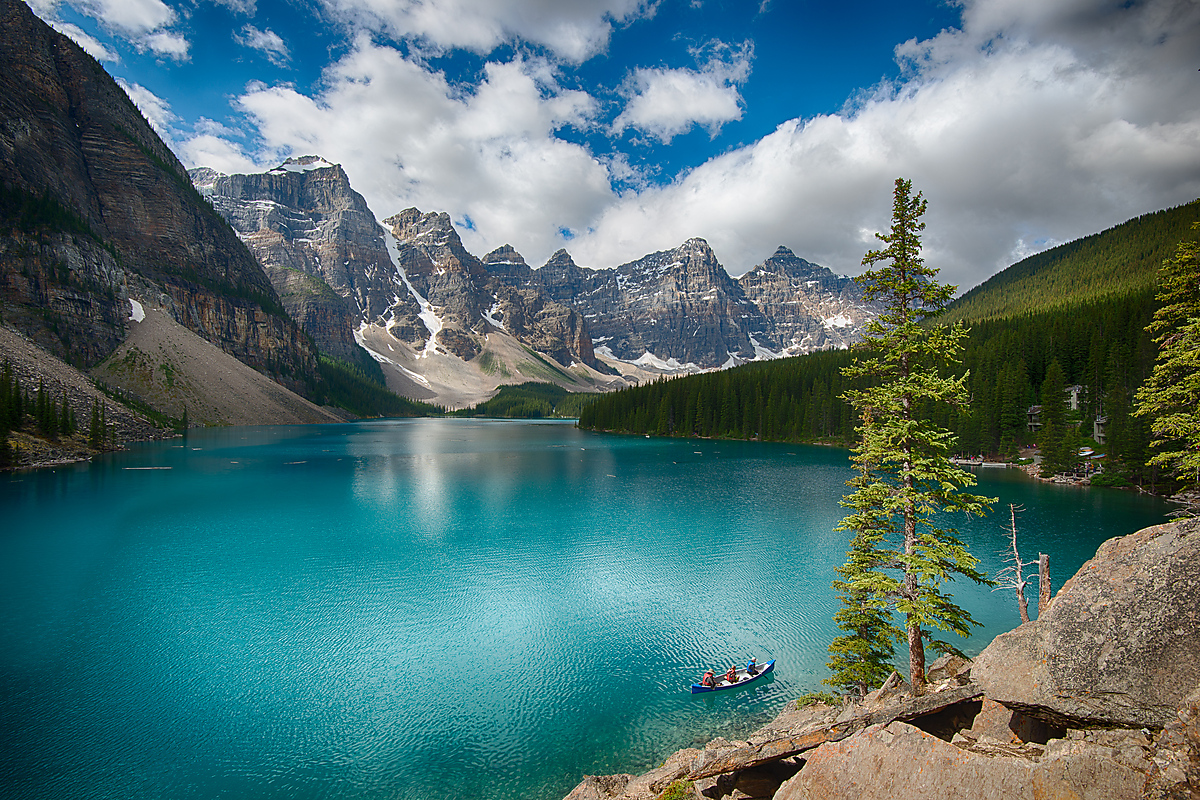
x=1170, y=397
x=862, y=656
x=903, y=556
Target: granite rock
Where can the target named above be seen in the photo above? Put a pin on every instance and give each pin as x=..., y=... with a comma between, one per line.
x=899, y=760
x=1119, y=645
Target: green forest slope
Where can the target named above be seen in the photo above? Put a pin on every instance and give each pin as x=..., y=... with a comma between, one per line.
x=1097, y=335
x=1121, y=260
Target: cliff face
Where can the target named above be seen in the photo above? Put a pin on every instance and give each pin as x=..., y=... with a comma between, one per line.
x=807, y=307
x=318, y=242
x=474, y=296
x=96, y=207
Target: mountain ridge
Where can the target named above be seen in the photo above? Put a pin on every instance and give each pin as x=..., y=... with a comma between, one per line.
x=72, y=137
x=669, y=312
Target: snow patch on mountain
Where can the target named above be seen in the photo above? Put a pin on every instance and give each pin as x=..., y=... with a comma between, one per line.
x=303, y=164
x=433, y=323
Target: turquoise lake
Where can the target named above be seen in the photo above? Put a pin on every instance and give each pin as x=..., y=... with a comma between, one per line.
x=432, y=608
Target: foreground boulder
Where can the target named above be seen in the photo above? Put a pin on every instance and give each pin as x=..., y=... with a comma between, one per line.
x=898, y=760
x=1120, y=646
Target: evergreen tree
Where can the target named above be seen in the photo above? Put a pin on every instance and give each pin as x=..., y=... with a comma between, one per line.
x=1170, y=397
x=1013, y=402
x=907, y=479
x=862, y=657
x=1055, y=441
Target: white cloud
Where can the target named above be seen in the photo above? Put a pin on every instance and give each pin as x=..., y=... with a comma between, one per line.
x=573, y=30
x=668, y=102
x=407, y=138
x=133, y=18
x=46, y=9
x=1039, y=122
x=217, y=151
x=90, y=44
x=248, y=7
x=268, y=42
x=156, y=110
x=165, y=44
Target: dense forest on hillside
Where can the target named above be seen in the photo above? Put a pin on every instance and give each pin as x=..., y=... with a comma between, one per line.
x=1102, y=346
x=364, y=393
x=1085, y=305
x=1119, y=261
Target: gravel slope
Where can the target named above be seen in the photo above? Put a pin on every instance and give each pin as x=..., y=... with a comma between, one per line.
x=171, y=368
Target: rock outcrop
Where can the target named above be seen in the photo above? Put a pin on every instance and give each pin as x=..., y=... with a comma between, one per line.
x=807, y=306
x=95, y=205
x=317, y=241
x=883, y=762
x=1120, y=645
x=1022, y=721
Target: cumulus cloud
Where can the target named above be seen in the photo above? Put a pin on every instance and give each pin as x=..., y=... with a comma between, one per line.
x=156, y=110
x=90, y=44
x=165, y=44
x=668, y=102
x=131, y=17
x=407, y=138
x=1037, y=122
x=574, y=30
x=267, y=42
x=144, y=23
x=248, y=7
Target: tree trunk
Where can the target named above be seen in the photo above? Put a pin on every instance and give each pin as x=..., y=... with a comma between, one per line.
x=916, y=659
x=1022, y=603
x=1043, y=584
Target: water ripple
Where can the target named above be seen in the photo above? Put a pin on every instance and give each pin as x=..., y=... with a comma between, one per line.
x=422, y=608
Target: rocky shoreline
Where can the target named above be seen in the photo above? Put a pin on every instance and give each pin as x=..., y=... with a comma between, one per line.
x=1099, y=699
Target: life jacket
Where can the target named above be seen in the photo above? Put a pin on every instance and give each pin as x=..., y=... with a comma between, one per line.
x=707, y=680
x=731, y=676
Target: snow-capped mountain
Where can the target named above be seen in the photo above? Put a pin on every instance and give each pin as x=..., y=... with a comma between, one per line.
x=450, y=327
x=405, y=292
x=680, y=311
x=807, y=306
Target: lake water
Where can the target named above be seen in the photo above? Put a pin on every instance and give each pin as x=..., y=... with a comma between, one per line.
x=430, y=608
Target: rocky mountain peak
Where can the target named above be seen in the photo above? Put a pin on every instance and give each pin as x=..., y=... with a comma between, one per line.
x=784, y=260
x=561, y=260
x=809, y=307
x=505, y=254
x=204, y=178
x=304, y=164
x=433, y=234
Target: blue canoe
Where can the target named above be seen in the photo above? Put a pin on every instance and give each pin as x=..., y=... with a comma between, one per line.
x=743, y=678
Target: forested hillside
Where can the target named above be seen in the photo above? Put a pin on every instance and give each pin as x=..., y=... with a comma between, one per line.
x=1119, y=261
x=1098, y=338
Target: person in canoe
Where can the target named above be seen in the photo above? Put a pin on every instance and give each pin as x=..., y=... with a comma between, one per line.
x=708, y=679
x=752, y=666
x=731, y=676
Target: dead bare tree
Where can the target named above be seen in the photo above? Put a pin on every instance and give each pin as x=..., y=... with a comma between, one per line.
x=1012, y=576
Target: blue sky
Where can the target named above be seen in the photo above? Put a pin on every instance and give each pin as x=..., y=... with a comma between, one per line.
x=618, y=127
